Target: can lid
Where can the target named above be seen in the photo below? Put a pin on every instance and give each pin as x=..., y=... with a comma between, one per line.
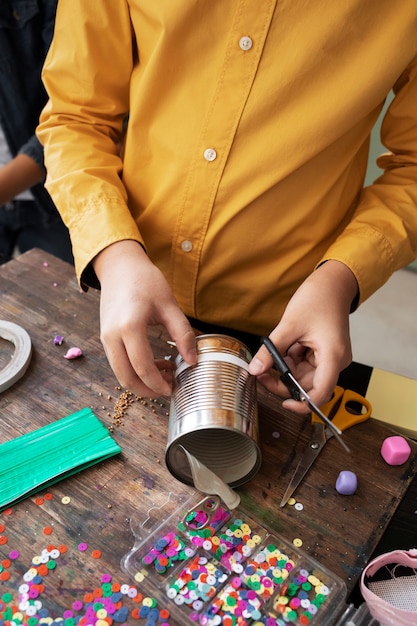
x=231, y=454
x=210, y=483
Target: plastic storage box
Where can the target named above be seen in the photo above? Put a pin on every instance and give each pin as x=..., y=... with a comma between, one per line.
x=209, y=565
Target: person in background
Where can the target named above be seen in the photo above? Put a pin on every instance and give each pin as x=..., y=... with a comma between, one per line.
x=28, y=217
x=238, y=200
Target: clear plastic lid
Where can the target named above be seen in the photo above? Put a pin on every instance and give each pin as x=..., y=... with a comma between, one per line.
x=209, y=565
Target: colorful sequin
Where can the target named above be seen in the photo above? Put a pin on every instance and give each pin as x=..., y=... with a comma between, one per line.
x=166, y=551
x=196, y=584
x=212, y=570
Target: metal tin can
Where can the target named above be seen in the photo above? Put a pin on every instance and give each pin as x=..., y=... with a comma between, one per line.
x=214, y=413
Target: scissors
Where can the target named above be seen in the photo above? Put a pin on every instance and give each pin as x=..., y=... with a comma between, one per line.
x=345, y=409
x=297, y=391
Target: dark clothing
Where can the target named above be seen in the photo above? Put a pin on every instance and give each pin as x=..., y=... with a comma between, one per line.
x=21, y=227
x=252, y=342
x=26, y=30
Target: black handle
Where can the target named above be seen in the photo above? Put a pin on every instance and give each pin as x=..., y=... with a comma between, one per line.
x=286, y=374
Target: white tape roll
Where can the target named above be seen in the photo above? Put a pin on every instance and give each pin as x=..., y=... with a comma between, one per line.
x=19, y=362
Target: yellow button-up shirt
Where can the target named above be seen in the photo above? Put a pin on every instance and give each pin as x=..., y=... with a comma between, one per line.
x=244, y=159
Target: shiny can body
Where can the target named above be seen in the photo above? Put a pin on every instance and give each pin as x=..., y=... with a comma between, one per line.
x=213, y=412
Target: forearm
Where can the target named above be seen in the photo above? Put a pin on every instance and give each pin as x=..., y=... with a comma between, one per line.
x=338, y=279
x=119, y=254
x=19, y=174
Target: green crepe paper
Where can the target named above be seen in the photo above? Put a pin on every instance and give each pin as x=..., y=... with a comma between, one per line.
x=44, y=456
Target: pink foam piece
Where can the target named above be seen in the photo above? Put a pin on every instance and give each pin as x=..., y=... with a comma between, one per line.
x=395, y=450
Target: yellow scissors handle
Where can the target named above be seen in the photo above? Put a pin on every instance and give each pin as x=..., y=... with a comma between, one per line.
x=334, y=401
x=346, y=415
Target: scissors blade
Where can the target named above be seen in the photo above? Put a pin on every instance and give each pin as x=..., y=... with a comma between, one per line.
x=304, y=397
x=313, y=449
x=336, y=432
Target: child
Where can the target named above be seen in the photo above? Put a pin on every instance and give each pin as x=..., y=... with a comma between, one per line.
x=238, y=199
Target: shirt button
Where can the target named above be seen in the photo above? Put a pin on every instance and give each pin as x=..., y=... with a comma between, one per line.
x=245, y=43
x=210, y=154
x=186, y=246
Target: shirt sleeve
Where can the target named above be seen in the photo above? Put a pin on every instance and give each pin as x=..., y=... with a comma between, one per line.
x=382, y=235
x=34, y=149
x=91, y=58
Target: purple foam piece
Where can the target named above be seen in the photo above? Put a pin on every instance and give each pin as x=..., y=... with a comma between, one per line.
x=346, y=483
x=395, y=450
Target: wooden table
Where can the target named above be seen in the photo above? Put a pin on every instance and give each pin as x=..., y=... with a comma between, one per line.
x=39, y=292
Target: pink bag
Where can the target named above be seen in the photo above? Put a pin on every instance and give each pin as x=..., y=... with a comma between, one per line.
x=393, y=602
